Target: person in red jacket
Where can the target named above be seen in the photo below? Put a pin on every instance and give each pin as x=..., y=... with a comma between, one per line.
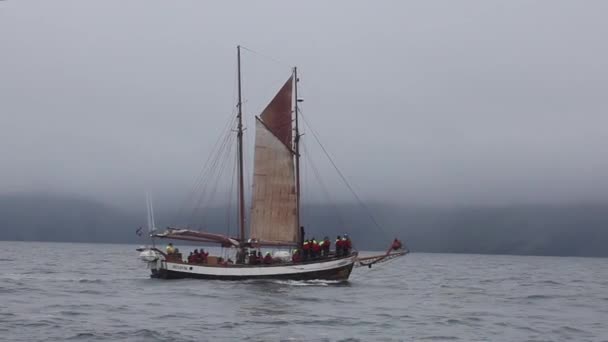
x=296, y=257
x=326, y=246
x=306, y=249
x=396, y=244
x=268, y=259
x=191, y=258
x=203, y=256
x=338, y=246
x=346, y=245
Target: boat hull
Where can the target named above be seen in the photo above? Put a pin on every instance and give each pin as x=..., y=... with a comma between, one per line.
x=336, y=269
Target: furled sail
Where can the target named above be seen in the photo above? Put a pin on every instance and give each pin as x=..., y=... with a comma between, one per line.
x=273, y=212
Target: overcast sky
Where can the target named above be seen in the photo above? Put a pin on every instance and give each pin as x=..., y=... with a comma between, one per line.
x=424, y=102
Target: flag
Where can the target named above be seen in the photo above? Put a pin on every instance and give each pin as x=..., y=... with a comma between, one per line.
x=138, y=231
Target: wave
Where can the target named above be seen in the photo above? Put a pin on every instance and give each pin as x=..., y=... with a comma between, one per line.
x=81, y=336
x=549, y=282
x=309, y=282
x=140, y=334
x=539, y=296
x=438, y=338
x=91, y=281
x=72, y=313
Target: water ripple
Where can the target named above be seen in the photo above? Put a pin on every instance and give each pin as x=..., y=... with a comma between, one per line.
x=432, y=297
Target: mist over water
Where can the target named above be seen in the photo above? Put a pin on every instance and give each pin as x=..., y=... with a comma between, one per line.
x=102, y=292
x=419, y=103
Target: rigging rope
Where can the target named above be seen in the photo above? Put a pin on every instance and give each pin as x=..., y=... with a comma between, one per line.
x=200, y=179
x=217, y=168
x=230, y=195
x=350, y=188
x=266, y=56
x=319, y=179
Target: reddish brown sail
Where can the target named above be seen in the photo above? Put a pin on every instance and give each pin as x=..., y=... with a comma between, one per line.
x=277, y=115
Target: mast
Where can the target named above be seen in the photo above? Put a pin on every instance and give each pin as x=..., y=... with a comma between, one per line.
x=297, y=150
x=240, y=152
x=151, y=224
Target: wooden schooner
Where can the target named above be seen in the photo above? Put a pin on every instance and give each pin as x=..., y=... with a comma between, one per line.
x=275, y=208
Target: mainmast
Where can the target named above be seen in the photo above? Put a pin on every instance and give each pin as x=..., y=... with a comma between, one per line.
x=240, y=152
x=297, y=150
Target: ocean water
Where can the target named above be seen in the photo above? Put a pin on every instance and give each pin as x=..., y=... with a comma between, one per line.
x=102, y=292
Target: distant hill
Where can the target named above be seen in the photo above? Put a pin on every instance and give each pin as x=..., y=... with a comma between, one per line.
x=568, y=230
x=42, y=217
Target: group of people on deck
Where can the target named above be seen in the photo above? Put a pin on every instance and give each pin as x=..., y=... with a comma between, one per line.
x=255, y=258
x=198, y=257
x=313, y=249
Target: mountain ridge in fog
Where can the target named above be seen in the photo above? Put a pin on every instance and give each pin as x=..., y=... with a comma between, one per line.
x=557, y=229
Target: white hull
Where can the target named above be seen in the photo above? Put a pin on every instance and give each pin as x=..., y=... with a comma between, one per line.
x=329, y=269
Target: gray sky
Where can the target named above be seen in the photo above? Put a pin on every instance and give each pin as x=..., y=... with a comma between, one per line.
x=425, y=102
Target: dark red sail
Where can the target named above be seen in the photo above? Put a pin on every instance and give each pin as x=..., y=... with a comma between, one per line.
x=277, y=115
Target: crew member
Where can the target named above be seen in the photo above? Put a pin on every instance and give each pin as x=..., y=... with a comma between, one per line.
x=306, y=249
x=258, y=259
x=268, y=259
x=170, y=249
x=240, y=256
x=338, y=246
x=326, y=246
x=196, y=257
x=346, y=244
x=315, y=249
x=191, y=258
x=252, y=257
x=396, y=244
x=203, y=256
x=296, y=257
x=321, y=249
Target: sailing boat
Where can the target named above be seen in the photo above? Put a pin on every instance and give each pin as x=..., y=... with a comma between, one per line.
x=275, y=208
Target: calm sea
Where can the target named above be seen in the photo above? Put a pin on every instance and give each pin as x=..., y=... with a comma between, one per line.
x=102, y=292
